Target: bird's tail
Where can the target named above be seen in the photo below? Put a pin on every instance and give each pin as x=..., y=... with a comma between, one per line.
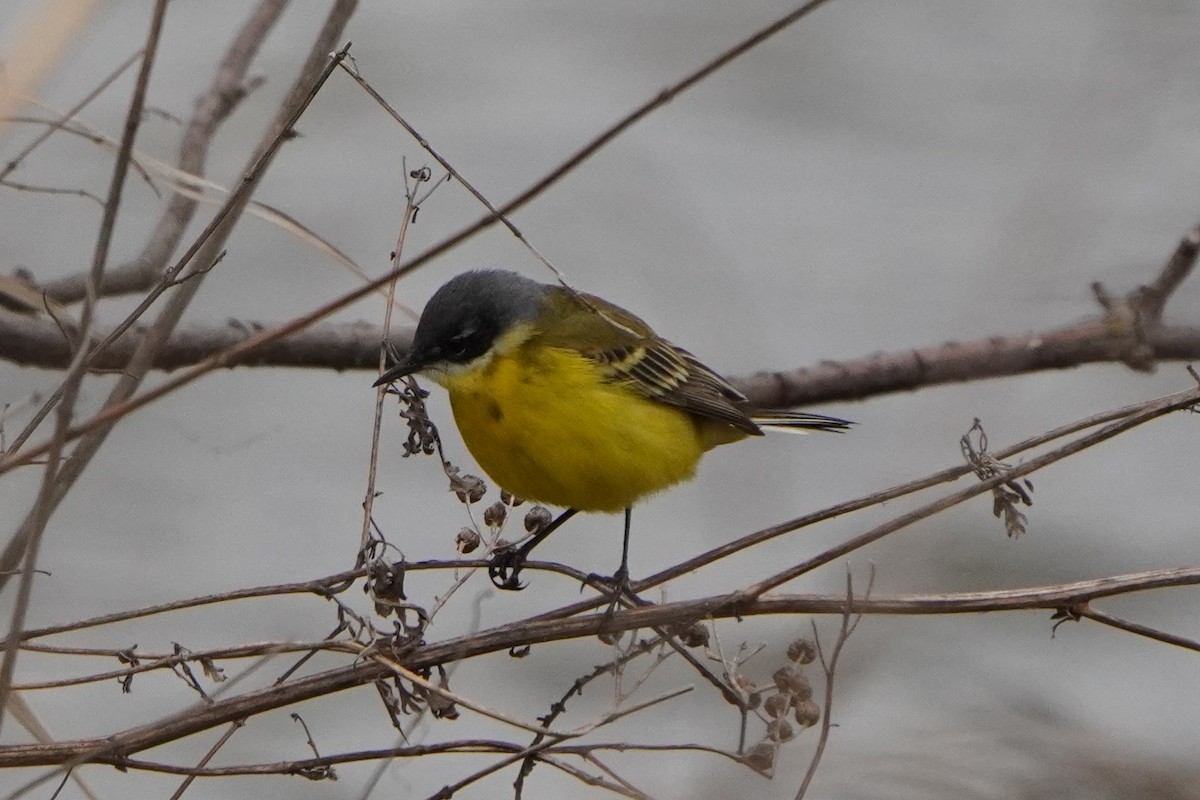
x=798, y=421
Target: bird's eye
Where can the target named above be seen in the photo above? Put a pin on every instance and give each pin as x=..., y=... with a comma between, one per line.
x=463, y=343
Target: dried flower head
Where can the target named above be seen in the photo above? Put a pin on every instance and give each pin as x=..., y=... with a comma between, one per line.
x=467, y=488
x=694, y=635
x=802, y=651
x=467, y=541
x=789, y=679
x=495, y=514
x=537, y=518
x=779, y=730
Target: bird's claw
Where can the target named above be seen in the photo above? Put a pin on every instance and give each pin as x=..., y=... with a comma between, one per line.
x=505, y=567
x=616, y=586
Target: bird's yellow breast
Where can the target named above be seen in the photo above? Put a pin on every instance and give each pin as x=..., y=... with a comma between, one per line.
x=543, y=424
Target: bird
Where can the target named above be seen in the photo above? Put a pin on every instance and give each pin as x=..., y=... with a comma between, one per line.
x=566, y=399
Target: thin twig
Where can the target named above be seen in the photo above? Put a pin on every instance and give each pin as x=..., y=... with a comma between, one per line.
x=229, y=87
x=1152, y=411
x=1085, y=610
x=34, y=526
x=212, y=751
x=850, y=621
x=525, y=633
x=322, y=587
x=212, y=110
x=206, y=250
x=381, y=392
x=553, y=738
x=107, y=81
x=234, y=354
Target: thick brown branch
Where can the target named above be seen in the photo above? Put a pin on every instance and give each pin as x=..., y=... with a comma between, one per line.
x=38, y=342
x=994, y=357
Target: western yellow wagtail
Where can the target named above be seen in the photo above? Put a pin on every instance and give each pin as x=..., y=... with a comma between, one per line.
x=566, y=399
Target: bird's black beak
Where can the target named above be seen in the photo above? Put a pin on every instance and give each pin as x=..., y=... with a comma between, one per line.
x=406, y=367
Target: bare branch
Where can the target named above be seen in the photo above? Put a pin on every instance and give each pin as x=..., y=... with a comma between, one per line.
x=525, y=632
x=212, y=109
x=204, y=251
x=32, y=341
x=1085, y=610
x=1151, y=298
x=16, y=160
x=34, y=525
x=114, y=411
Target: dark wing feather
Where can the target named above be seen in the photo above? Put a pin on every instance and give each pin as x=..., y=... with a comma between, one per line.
x=630, y=352
x=669, y=374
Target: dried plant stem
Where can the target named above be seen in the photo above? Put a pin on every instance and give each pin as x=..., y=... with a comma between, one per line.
x=522, y=633
x=410, y=205
x=205, y=251
x=850, y=620
x=34, y=526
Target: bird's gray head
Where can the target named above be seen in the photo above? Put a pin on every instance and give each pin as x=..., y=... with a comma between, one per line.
x=465, y=316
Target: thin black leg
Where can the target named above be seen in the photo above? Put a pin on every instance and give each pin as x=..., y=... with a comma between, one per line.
x=507, y=562
x=621, y=578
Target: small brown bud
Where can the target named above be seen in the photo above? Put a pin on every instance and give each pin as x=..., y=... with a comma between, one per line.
x=778, y=730
x=761, y=757
x=509, y=499
x=802, y=651
x=789, y=679
x=537, y=518
x=778, y=704
x=754, y=700
x=495, y=514
x=808, y=713
x=466, y=541
x=695, y=635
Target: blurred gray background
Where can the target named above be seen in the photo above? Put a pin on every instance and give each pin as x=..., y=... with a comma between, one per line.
x=882, y=175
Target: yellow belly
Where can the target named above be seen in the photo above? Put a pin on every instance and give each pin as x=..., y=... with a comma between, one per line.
x=544, y=427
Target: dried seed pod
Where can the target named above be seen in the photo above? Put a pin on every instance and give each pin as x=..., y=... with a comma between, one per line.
x=789, y=679
x=495, y=514
x=778, y=704
x=761, y=757
x=509, y=499
x=695, y=635
x=537, y=518
x=468, y=488
x=779, y=730
x=808, y=713
x=802, y=651
x=467, y=541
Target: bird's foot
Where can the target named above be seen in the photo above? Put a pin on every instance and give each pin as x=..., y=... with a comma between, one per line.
x=505, y=568
x=616, y=587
